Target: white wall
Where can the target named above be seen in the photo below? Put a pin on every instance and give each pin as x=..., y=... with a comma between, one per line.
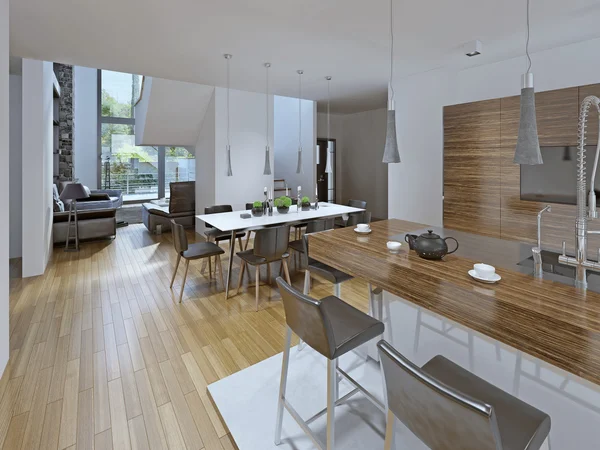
x=16, y=166
x=4, y=183
x=205, y=164
x=415, y=185
x=248, y=125
x=38, y=171
x=337, y=133
x=85, y=140
x=286, y=144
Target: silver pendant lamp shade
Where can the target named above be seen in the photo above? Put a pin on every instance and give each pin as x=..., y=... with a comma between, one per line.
x=528, y=145
x=390, y=152
x=228, y=147
x=328, y=152
x=267, y=169
x=299, y=168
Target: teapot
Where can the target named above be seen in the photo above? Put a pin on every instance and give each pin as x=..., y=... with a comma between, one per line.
x=430, y=245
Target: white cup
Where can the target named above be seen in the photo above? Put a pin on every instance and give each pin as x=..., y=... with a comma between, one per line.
x=363, y=227
x=484, y=270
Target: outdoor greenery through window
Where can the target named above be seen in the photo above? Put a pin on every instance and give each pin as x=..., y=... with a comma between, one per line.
x=141, y=172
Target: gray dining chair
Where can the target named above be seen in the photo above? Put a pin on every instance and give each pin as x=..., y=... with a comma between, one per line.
x=362, y=204
x=356, y=218
x=215, y=235
x=190, y=252
x=314, y=226
x=332, y=328
x=270, y=245
x=448, y=408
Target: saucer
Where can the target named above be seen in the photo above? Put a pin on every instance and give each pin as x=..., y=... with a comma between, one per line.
x=494, y=279
x=363, y=232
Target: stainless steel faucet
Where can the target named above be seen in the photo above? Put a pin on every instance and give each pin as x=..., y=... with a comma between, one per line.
x=580, y=261
x=537, y=251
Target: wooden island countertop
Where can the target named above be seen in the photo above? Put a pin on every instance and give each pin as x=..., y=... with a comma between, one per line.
x=549, y=320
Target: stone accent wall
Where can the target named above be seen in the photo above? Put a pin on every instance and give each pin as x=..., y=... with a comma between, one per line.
x=64, y=74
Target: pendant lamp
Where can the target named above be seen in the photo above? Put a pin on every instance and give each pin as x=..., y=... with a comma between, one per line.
x=267, y=169
x=390, y=151
x=528, y=145
x=228, y=148
x=300, y=169
x=328, y=153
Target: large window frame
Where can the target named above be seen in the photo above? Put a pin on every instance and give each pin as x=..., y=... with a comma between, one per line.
x=162, y=149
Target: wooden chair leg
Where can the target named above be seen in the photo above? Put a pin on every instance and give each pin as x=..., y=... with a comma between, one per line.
x=241, y=245
x=203, y=268
x=242, y=267
x=187, y=265
x=175, y=271
x=248, y=234
x=286, y=270
x=210, y=268
x=257, y=284
x=220, y=266
x=269, y=273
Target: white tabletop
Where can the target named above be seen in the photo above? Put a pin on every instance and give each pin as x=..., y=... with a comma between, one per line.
x=230, y=221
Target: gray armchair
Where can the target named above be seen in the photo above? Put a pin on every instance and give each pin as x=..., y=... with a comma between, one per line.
x=182, y=208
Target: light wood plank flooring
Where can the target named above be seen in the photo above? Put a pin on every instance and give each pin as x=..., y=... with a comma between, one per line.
x=103, y=356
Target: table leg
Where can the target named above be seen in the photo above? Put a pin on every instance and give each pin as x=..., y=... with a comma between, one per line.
x=231, y=253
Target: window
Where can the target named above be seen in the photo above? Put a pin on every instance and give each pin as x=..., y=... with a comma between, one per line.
x=141, y=172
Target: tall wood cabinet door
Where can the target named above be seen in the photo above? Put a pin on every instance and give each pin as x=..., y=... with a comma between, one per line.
x=556, y=114
x=592, y=123
x=472, y=124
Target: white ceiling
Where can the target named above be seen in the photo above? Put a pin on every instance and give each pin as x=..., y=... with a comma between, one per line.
x=347, y=39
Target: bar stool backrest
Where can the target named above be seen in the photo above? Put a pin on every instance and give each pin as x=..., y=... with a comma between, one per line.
x=440, y=416
x=215, y=209
x=315, y=226
x=180, y=241
x=272, y=243
x=305, y=317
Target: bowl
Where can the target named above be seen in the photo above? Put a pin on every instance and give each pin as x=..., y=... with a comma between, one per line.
x=394, y=246
x=484, y=270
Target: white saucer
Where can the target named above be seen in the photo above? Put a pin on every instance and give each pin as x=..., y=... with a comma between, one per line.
x=494, y=279
x=363, y=232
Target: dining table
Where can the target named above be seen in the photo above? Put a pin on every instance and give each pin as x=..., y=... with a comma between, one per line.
x=235, y=222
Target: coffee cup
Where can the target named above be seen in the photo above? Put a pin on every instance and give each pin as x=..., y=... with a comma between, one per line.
x=484, y=270
x=363, y=227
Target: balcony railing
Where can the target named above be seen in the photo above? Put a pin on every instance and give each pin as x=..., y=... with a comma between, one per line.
x=142, y=185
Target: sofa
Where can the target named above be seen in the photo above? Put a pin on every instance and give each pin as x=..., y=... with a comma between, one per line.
x=182, y=208
x=91, y=224
x=98, y=198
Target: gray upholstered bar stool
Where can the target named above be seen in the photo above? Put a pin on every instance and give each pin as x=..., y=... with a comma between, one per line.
x=332, y=328
x=188, y=252
x=449, y=408
x=270, y=245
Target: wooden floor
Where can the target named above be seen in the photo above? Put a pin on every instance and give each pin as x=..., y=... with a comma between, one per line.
x=103, y=356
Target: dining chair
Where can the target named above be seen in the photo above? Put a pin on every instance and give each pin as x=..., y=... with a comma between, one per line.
x=340, y=222
x=313, y=226
x=356, y=218
x=270, y=245
x=215, y=235
x=198, y=250
x=448, y=407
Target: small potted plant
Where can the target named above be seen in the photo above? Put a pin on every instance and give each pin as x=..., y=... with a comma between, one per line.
x=283, y=204
x=257, y=209
x=305, y=203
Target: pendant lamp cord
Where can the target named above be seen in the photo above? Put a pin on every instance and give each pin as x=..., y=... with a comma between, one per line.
x=527, y=44
x=267, y=66
x=299, y=109
x=392, y=50
x=228, y=102
x=328, y=100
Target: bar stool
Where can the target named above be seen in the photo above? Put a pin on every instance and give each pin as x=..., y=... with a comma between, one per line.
x=332, y=328
x=188, y=252
x=448, y=407
x=314, y=226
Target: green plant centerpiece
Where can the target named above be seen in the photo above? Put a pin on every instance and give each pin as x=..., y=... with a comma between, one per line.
x=305, y=203
x=257, y=209
x=283, y=204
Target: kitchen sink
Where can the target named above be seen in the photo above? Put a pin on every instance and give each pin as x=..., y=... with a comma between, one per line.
x=551, y=265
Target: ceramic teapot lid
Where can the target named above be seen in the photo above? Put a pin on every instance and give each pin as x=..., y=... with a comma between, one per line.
x=430, y=235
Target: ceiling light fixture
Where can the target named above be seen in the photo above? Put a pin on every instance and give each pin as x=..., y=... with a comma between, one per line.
x=472, y=48
x=267, y=170
x=228, y=57
x=328, y=158
x=528, y=145
x=300, y=169
x=390, y=151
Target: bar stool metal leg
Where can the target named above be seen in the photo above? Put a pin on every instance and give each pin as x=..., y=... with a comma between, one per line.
x=305, y=292
x=282, y=385
x=332, y=387
x=337, y=291
x=389, y=431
